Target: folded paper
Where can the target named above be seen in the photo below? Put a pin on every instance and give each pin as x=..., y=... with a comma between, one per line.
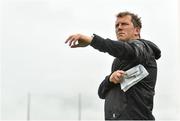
x=133, y=76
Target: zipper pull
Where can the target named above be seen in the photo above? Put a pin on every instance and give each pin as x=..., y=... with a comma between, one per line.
x=114, y=115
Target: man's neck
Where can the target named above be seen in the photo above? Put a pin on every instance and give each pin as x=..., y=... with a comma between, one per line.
x=135, y=38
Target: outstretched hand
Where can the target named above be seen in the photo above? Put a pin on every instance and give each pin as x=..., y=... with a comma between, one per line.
x=78, y=40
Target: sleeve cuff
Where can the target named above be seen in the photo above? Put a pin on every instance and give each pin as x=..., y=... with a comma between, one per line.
x=107, y=82
x=96, y=41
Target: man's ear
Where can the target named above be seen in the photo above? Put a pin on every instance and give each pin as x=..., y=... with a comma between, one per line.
x=137, y=31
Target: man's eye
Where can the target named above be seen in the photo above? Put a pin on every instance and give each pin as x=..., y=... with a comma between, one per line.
x=117, y=25
x=124, y=23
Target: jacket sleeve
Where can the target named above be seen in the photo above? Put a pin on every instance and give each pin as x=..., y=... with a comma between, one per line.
x=119, y=49
x=104, y=87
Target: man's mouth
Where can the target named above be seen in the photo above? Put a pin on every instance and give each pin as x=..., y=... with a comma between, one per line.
x=121, y=34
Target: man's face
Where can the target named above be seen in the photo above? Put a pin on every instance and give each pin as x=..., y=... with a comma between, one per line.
x=125, y=29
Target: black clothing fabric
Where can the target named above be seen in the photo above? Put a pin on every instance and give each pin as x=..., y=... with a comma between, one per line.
x=137, y=102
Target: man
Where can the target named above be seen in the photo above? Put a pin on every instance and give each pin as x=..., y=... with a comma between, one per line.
x=129, y=51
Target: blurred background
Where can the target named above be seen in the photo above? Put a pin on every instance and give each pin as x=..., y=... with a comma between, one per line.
x=44, y=79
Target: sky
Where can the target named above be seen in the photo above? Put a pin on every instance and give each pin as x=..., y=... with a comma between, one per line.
x=35, y=60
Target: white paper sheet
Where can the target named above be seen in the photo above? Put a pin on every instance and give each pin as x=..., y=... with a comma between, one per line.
x=133, y=76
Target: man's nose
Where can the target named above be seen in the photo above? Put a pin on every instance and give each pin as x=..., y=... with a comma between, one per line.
x=119, y=27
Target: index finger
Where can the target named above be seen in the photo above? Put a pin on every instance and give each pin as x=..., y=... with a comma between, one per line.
x=121, y=71
x=68, y=38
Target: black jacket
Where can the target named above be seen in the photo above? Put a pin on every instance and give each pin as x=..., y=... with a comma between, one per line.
x=137, y=102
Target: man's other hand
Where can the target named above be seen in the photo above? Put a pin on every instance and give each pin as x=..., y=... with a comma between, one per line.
x=117, y=77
